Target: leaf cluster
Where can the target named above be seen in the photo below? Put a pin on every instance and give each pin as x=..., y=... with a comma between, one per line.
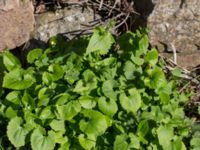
x=85, y=94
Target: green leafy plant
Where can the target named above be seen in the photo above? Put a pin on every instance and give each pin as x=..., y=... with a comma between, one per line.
x=85, y=94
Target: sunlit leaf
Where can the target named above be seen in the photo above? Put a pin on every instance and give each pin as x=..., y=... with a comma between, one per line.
x=120, y=142
x=87, y=142
x=143, y=128
x=94, y=123
x=46, y=113
x=108, y=89
x=152, y=57
x=16, y=132
x=18, y=79
x=107, y=106
x=134, y=141
x=129, y=69
x=34, y=55
x=87, y=102
x=101, y=42
x=68, y=111
x=10, y=61
x=195, y=142
x=57, y=71
x=132, y=102
x=43, y=96
x=58, y=125
x=39, y=141
x=165, y=134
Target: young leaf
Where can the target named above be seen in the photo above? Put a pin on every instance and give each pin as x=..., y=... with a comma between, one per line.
x=56, y=71
x=43, y=96
x=87, y=142
x=10, y=61
x=47, y=78
x=164, y=97
x=68, y=111
x=58, y=137
x=157, y=78
x=94, y=124
x=108, y=89
x=137, y=60
x=195, y=141
x=71, y=75
x=134, y=141
x=86, y=85
x=58, y=125
x=16, y=132
x=130, y=103
x=46, y=113
x=143, y=128
x=110, y=61
x=30, y=119
x=176, y=72
x=87, y=102
x=129, y=69
x=10, y=113
x=18, y=79
x=152, y=57
x=165, y=134
x=120, y=142
x=62, y=98
x=143, y=45
x=108, y=107
x=178, y=144
x=34, y=55
x=64, y=146
x=41, y=142
x=108, y=73
x=27, y=100
x=14, y=98
x=101, y=41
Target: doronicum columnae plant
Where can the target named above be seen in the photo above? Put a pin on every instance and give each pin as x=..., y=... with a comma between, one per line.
x=85, y=94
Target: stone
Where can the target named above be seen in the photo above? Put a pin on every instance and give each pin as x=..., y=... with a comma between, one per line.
x=177, y=23
x=66, y=21
x=16, y=22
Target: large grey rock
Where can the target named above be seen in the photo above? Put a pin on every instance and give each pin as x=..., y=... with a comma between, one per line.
x=61, y=21
x=16, y=22
x=177, y=22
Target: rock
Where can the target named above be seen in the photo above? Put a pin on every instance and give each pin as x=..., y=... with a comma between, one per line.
x=177, y=22
x=63, y=21
x=16, y=22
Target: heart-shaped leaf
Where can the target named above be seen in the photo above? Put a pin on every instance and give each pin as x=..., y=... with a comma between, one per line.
x=108, y=89
x=165, y=135
x=132, y=102
x=94, y=124
x=87, y=142
x=39, y=141
x=68, y=111
x=18, y=79
x=101, y=41
x=107, y=106
x=16, y=132
x=120, y=142
x=87, y=102
x=10, y=61
x=34, y=55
